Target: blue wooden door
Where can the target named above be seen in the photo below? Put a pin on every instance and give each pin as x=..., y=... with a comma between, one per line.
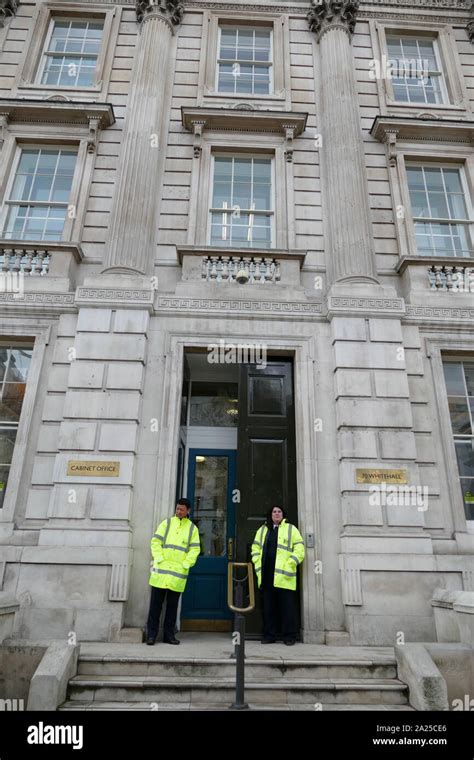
x=211, y=481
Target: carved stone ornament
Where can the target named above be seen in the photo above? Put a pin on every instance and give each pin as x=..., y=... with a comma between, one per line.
x=470, y=30
x=327, y=14
x=7, y=8
x=172, y=10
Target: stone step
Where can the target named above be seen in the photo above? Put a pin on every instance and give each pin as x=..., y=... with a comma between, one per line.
x=263, y=669
x=191, y=689
x=215, y=706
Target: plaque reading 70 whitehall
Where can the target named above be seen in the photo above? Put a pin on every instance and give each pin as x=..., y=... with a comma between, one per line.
x=88, y=468
x=396, y=477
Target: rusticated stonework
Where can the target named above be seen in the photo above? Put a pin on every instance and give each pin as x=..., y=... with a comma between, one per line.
x=332, y=13
x=171, y=9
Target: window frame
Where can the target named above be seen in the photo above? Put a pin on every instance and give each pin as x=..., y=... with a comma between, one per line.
x=449, y=346
x=35, y=333
x=270, y=212
x=457, y=97
x=448, y=359
x=7, y=203
x=270, y=66
x=407, y=151
x=47, y=53
x=440, y=73
x=15, y=345
x=32, y=61
x=469, y=223
x=9, y=159
x=278, y=24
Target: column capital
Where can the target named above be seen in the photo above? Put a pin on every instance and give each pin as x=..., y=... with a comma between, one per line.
x=170, y=10
x=7, y=8
x=332, y=14
x=470, y=30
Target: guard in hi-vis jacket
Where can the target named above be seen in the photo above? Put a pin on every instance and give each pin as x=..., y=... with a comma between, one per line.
x=175, y=548
x=277, y=550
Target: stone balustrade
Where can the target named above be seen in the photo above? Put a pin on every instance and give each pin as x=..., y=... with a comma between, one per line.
x=228, y=268
x=37, y=260
x=453, y=278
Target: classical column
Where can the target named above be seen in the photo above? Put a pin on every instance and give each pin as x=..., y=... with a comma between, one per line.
x=346, y=200
x=130, y=244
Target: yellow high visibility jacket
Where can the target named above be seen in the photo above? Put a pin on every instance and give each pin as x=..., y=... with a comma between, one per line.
x=290, y=554
x=175, y=548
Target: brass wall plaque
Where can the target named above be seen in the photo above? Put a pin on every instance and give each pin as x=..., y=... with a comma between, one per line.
x=102, y=469
x=395, y=477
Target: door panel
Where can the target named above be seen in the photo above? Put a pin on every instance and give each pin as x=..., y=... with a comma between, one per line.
x=266, y=467
x=211, y=481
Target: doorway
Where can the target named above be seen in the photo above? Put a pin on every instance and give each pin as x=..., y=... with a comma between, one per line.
x=237, y=459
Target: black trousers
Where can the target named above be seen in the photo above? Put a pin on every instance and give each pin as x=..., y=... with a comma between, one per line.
x=279, y=613
x=156, y=602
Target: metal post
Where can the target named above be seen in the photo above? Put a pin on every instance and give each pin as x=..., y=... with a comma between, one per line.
x=239, y=703
x=235, y=603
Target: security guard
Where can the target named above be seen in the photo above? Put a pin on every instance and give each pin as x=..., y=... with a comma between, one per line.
x=277, y=550
x=175, y=548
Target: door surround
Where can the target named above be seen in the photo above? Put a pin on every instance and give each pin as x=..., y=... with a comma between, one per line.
x=306, y=411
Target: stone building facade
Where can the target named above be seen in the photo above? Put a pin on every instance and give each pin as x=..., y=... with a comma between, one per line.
x=291, y=177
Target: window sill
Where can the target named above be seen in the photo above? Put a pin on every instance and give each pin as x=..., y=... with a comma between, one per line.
x=59, y=89
x=426, y=107
x=243, y=97
x=455, y=261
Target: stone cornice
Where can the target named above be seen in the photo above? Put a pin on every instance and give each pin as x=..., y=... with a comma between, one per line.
x=332, y=14
x=7, y=8
x=60, y=111
x=243, y=118
x=301, y=10
x=267, y=253
x=170, y=10
x=37, y=111
x=423, y=128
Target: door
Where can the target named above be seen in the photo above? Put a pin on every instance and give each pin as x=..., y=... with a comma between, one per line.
x=266, y=472
x=211, y=481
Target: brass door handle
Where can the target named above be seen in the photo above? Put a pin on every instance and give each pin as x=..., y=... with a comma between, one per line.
x=230, y=549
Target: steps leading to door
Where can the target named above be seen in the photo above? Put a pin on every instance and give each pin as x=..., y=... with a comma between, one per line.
x=141, y=680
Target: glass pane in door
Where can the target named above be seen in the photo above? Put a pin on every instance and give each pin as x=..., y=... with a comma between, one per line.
x=210, y=503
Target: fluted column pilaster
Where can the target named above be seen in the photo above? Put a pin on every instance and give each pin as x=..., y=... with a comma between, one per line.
x=346, y=206
x=130, y=244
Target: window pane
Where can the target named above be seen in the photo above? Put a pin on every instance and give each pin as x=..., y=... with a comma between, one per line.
x=214, y=404
x=459, y=412
x=7, y=444
x=469, y=375
x=465, y=457
x=18, y=364
x=453, y=376
x=467, y=486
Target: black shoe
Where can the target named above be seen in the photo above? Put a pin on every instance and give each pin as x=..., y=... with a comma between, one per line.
x=171, y=641
x=289, y=642
x=150, y=642
x=268, y=641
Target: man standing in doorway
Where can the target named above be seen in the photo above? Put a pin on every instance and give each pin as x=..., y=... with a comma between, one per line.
x=175, y=548
x=277, y=550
